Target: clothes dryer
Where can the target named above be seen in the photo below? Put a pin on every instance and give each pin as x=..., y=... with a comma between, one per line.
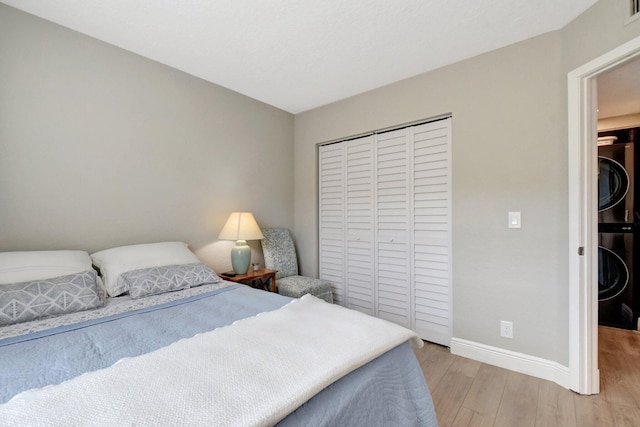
x=616, y=174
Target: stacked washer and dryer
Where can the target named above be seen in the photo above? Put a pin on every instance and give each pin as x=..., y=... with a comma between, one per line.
x=618, y=229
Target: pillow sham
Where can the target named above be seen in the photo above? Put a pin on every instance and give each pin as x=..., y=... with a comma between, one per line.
x=26, y=266
x=32, y=300
x=115, y=261
x=158, y=280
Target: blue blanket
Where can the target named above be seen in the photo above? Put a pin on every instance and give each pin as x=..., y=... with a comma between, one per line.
x=391, y=387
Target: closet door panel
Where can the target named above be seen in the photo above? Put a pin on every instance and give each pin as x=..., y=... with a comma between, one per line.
x=431, y=188
x=331, y=192
x=392, y=223
x=360, y=278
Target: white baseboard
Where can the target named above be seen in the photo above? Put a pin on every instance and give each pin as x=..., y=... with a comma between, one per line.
x=519, y=362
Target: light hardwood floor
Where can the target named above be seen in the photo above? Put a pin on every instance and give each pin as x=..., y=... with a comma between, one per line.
x=470, y=393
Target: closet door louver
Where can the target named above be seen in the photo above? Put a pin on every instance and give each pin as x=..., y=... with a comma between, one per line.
x=331, y=217
x=392, y=213
x=431, y=188
x=360, y=226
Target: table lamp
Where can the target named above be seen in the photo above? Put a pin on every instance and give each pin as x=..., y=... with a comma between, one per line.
x=241, y=226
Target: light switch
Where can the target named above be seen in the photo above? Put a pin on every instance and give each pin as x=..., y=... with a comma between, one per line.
x=514, y=220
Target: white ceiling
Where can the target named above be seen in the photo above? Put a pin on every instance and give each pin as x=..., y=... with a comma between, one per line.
x=301, y=54
x=619, y=91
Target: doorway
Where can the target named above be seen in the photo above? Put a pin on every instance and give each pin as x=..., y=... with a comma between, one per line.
x=618, y=231
x=583, y=219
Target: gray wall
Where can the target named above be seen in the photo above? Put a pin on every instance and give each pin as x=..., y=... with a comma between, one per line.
x=509, y=111
x=100, y=147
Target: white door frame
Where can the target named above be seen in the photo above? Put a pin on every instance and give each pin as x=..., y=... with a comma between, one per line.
x=583, y=224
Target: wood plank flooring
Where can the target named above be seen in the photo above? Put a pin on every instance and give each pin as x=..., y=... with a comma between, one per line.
x=470, y=393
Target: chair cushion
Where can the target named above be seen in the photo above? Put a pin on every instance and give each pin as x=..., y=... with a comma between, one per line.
x=297, y=286
x=279, y=252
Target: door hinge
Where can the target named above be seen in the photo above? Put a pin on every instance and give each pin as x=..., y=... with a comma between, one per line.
x=581, y=250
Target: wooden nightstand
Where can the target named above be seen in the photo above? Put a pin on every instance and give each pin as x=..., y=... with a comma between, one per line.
x=256, y=279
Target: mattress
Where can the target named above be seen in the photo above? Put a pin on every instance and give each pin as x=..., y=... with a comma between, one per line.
x=387, y=390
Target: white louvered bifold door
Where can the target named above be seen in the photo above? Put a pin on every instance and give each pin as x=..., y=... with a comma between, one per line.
x=431, y=188
x=393, y=227
x=385, y=226
x=331, y=191
x=360, y=280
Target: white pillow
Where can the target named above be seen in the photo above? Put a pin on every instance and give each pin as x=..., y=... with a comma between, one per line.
x=113, y=262
x=26, y=266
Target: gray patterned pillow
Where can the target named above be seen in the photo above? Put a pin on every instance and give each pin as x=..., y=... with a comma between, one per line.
x=21, y=302
x=157, y=280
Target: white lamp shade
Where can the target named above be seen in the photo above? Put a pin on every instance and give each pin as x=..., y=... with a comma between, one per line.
x=241, y=226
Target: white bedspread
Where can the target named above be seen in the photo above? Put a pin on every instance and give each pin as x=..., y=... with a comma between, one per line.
x=254, y=372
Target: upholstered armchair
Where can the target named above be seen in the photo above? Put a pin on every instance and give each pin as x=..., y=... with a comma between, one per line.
x=280, y=254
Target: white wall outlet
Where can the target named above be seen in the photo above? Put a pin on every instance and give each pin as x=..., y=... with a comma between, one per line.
x=515, y=220
x=506, y=329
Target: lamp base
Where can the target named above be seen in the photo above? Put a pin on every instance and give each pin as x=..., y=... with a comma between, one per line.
x=241, y=257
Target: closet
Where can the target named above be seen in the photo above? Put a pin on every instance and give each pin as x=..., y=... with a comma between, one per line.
x=384, y=210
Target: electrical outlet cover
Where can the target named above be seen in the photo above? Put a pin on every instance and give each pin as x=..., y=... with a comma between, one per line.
x=506, y=329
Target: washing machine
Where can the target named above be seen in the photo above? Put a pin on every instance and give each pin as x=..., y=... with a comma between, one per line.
x=616, y=279
x=618, y=224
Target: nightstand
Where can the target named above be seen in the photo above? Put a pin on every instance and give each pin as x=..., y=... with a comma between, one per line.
x=256, y=279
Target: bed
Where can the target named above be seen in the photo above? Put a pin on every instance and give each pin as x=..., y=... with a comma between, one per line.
x=165, y=341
